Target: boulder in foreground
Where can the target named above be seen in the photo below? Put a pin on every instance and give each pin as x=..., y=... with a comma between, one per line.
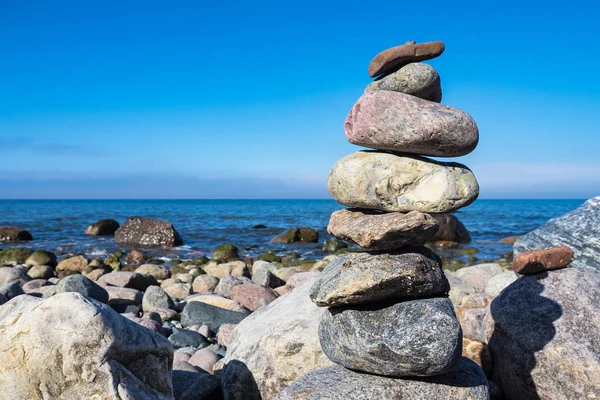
x=70, y=347
x=147, y=232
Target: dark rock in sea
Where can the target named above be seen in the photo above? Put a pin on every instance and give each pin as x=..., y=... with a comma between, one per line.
x=259, y=226
x=226, y=252
x=303, y=234
x=411, y=338
x=198, y=313
x=451, y=229
x=330, y=246
x=10, y=275
x=545, y=341
x=238, y=383
x=14, y=234
x=80, y=284
x=147, y=232
x=191, y=385
x=375, y=230
x=466, y=382
x=417, y=79
x=360, y=278
x=104, y=227
x=270, y=257
x=536, y=261
x=395, y=57
x=579, y=229
x=187, y=338
x=14, y=256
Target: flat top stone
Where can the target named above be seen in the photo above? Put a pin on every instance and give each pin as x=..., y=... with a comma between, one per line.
x=401, y=55
x=533, y=262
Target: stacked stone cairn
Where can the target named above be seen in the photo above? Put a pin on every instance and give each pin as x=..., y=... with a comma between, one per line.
x=390, y=326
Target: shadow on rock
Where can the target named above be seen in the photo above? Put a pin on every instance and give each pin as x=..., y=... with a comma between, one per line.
x=238, y=383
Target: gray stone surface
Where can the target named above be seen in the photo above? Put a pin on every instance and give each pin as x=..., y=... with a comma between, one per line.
x=466, y=382
x=199, y=313
x=191, y=385
x=181, y=338
x=545, y=343
x=389, y=182
x=361, y=278
x=411, y=338
x=279, y=343
x=70, y=347
x=148, y=233
x=10, y=275
x=238, y=383
x=578, y=229
x=393, y=121
x=80, y=284
x=156, y=297
x=417, y=79
x=375, y=230
x=227, y=283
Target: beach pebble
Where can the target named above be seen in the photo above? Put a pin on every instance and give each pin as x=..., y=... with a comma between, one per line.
x=33, y=285
x=10, y=275
x=156, y=297
x=459, y=288
x=224, y=334
x=536, y=261
x=393, y=121
x=126, y=279
x=382, y=231
x=266, y=278
x=158, y=272
x=253, y=296
x=187, y=338
x=362, y=278
x=285, y=274
x=466, y=381
x=233, y=268
x=390, y=182
x=123, y=296
x=227, y=283
x=73, y=264
x=198, y=313
x=410, y=338
x=205, y=359
x=217, y=301
x=41, y=257
x=479, y=275
x=204, y=284
x=417, y=79
x=479, y=353
x=294, y=235
x=103, y=227
x=178, y=290
x=11, y=290
x=302, y=278
x=80, y=284
x=40, y=272
x=410, y=52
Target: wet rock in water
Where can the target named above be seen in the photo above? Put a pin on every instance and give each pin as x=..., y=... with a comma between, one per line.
x=226, y=252
x=411, y=338
x=389, y=182
x=187, y=338
x=303, y=234
x=73, y=264
x=382, y=231
x=86, y=339
x=253, y=296
x=399, y=122
x=466, y=382
x=147, y=232
x=198, y=313
x=204, y=284
x=546, y=326
x=417, y=79
x=103, y=227
x=578, y=229
x=227, y=283
x=238, y=383
x=479, y=275
x=395, y=57
x=536, y=261
x=360, y=278
x=132, y=280
x=14, y=234
x=10, y=275
x=330, y=246
x=192, y=385
x=80, y=284
x=451, y=229
x=279, y=342
x=14, y=256
x=158, y=272
x=156, y=297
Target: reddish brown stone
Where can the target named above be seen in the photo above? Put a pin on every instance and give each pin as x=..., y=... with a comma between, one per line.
x=536, y=261
x=401, y=55
x=252, y=296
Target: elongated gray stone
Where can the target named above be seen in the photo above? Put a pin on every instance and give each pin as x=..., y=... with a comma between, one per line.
x=411, y=338
x=417, y=79
x=361, y=278
x=466, y=382
x=387, y=120
x=389, y=182
x=382, y=231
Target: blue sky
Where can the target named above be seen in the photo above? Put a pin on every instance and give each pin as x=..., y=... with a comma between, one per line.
x=239, y=99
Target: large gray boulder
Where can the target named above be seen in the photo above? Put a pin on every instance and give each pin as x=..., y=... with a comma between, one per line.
x=411, y=338
x=466, y=382
x=279, y=343
x=80, y=284
x=147, y=232
x=545, y=342
x=578, y=229
x=71, y=347
x=360, y=278
x=10, y=275
x=391, y=182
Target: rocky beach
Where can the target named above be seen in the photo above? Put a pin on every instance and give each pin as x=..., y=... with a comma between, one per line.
x=402, y=294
